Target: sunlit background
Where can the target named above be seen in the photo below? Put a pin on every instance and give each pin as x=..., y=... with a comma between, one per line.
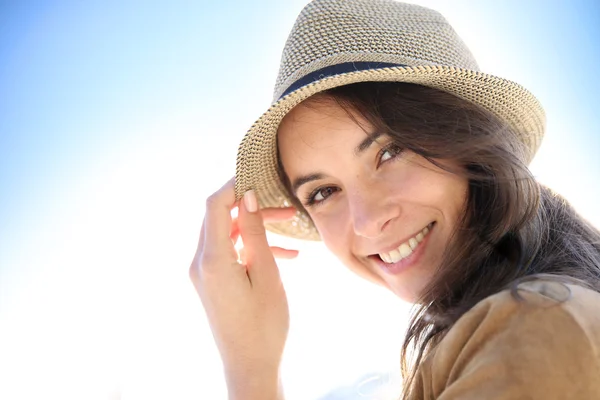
x=118, y=118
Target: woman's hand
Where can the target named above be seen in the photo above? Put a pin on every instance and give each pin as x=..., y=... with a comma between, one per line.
x=245, y=302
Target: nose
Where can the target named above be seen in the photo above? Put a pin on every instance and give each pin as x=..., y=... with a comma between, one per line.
x=371, y=212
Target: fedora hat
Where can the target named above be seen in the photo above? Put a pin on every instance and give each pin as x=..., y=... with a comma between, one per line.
x=340, y=42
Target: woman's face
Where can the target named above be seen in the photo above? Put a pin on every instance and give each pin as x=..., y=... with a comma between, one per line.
x=387, y=214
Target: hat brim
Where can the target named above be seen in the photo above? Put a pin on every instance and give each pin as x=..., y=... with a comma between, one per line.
x=256, y=166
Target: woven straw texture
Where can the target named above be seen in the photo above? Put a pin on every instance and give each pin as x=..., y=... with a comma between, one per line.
x=331, y=32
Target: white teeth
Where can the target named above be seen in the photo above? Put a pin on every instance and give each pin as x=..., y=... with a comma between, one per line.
x=405, y=249
x=394, y=256
x=385, y=258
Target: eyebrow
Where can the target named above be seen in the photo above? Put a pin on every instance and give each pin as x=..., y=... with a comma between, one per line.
x=301, y=180
x=361, y=148
x=367, y=142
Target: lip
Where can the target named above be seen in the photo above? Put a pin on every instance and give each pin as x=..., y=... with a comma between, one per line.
x=407, y=262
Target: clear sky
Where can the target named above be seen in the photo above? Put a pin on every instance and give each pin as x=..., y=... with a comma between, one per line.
x=118, y=118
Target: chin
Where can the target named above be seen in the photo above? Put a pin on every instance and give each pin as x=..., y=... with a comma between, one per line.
x=404, y=287
x=408, y=290
x=404, y=294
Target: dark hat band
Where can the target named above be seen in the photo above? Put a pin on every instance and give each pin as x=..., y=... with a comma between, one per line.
x=336, y=70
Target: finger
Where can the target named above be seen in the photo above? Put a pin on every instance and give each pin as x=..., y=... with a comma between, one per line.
x=217, y=229
x=278, y=252
x=193, y=271
x=277, y=214
x=274, y=214
x=259, y=259
x=201, y=239
x=286, y=254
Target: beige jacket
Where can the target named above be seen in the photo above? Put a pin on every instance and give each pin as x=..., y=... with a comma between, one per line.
x=503, y=349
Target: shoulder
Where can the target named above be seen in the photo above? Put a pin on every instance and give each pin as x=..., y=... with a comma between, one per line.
x=537, y=305
x=541, y=340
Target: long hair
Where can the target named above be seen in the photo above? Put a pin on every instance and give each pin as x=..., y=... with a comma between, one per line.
x=512, y=227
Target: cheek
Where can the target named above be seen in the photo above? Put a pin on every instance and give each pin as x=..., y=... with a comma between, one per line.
x=338, y=238
x=334, y=232
x=330, y=233
x=451, y=196
x=434, y=188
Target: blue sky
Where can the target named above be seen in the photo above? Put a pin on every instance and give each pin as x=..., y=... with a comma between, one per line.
x=117, y=119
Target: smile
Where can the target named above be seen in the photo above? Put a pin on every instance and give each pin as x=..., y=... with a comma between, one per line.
x=406, y=249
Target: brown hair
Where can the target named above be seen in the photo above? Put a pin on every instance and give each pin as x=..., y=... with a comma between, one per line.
x=512, y=228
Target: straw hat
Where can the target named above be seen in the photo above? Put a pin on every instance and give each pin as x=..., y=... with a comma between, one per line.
x=339, y=42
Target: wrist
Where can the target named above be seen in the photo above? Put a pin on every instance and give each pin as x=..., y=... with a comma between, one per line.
x=255, y=385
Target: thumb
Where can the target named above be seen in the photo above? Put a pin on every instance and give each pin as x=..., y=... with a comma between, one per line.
x=258, y=255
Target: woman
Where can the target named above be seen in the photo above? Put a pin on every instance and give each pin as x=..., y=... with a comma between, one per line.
x=386, y=142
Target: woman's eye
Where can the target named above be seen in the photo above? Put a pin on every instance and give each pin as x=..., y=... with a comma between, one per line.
x=320, y=195
x=389, y=153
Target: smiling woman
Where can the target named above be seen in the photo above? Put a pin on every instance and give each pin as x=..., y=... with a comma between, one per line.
x=411, y=165
x=372, y=201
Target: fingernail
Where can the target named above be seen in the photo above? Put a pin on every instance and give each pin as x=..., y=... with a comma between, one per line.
x=250, y=201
